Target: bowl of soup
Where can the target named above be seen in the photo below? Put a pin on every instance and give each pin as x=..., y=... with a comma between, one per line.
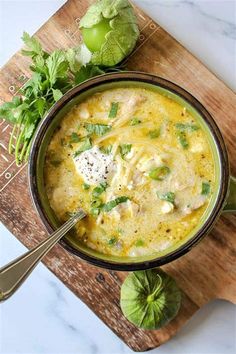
x=142, y=157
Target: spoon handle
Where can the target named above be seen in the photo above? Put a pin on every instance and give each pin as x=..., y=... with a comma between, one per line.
x=14, y=273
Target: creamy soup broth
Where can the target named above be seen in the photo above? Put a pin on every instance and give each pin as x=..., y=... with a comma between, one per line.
x=138, y=163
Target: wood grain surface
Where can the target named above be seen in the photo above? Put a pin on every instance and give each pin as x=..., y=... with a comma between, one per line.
x=208, y=271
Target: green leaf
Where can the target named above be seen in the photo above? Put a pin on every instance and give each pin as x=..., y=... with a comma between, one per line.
x=106, y=149
x=33, y=86
x=40, y=105
x=169, y=197
x=32, y=44
x=205, y=188
x=74, y=138
x=86, y=72
x=113, y=110
x=186, y=127
x=97, y=191
x=87, y=145
x=98, y=129
x=85, y=186
x=57, y=94
x=150, y=299
x=159, y=173
x=183, y=140
x=153, y=134
x=125, y=149
x=113, y=203
x=139, y=243
x=12, y=111
x=57, y=66
x=135, y=121
x=29, y=130
x=112, y=241
x=39, y=65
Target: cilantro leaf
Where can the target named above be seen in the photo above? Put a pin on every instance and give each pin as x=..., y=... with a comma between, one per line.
x=113, y=110
x=87, y=145
x=186, y=127
x=74, y=138
x=153, y=134
x=33, y=45
x=98, y=129
x=205, y=188
x=125, y=149
x=86, y=72
x=106, y=149
x=183, y=139
x=85, y=186
x=135, y=121
x=12, y=110
x=57, y=94
x=169, y=197
x=57, y=66
x=112, y=241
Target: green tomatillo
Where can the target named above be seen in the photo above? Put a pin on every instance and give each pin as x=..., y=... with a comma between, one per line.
x=110, y=31
x=150, y=299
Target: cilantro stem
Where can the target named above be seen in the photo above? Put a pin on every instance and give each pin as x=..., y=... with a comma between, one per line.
x=18, y=147
x=23, y=149
x=10, y=150
x=27, y=151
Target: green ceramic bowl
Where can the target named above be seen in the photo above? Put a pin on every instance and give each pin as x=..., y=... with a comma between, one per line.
x=220, y=202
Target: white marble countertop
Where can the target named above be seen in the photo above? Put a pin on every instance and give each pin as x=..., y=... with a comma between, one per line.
x=44, y=316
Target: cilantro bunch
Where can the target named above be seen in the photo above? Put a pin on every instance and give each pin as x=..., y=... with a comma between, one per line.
x=52, y=75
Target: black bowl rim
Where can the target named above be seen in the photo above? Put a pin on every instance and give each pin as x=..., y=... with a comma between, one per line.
x=179, y=91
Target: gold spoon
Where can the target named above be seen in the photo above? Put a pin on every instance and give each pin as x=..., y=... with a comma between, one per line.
x=15, y=272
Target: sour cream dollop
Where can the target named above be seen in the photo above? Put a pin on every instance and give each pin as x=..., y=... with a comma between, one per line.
x=94, y=166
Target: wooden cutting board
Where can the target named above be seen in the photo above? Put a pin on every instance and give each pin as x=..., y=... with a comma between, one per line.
x=208, y=271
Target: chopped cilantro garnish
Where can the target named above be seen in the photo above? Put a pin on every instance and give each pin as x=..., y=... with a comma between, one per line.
x=112, y=241
x=135, y=121
x=186, y=127
x=139, y=243
x=85, y=186
x=106, y=149
x=85, y=146
x=183, y=139
x=182, y=129
x=169, y=197
x=205, y=188
x=98, y=129
x=113, y=110
x=125, y=149
x=74, y=138
x=153, y=134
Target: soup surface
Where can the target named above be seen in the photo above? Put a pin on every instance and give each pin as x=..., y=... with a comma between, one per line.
x=138, y=163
